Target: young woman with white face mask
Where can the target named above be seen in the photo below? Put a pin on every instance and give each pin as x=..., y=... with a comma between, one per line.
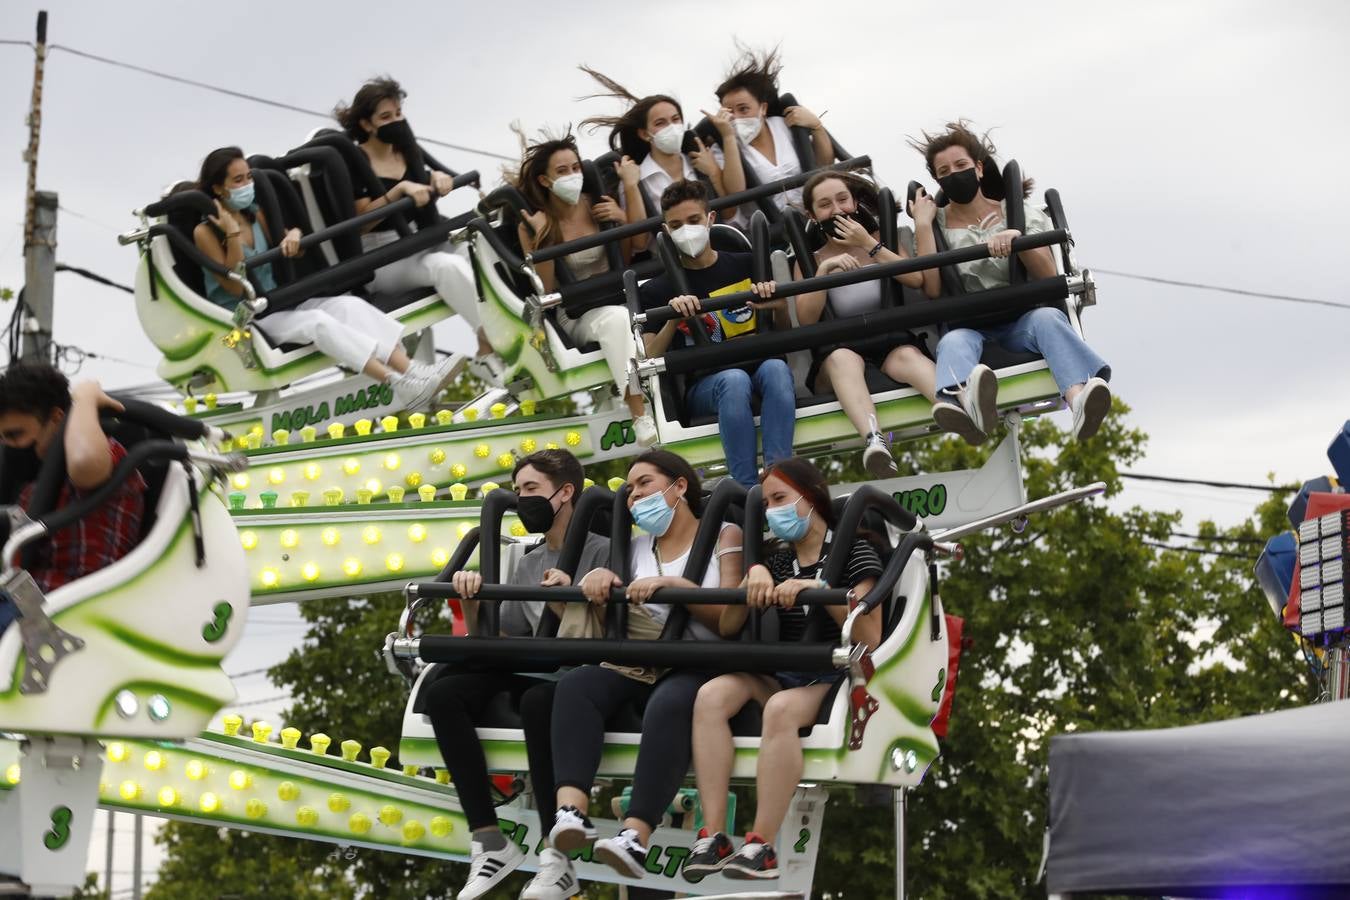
x=551, y=181
x=666, y=503
x=799, y=513
x=764, y=141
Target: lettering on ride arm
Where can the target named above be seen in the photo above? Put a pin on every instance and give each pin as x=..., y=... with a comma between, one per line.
x=923, y=502
x=618, y=434
x=367, y=398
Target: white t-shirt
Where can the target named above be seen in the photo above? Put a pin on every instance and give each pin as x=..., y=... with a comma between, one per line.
x=643, y=558
x=788, y=164
x=654, y=180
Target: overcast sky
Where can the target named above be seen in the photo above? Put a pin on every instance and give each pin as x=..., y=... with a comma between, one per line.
x=1200, y=141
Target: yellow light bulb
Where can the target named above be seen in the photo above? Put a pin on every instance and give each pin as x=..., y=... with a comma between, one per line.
x=313, y=471
x=392, y=461
x=373, y=485
x=527, y=407
x=240, y=481
x=437, y=456
x=413, y=830
x=395, y=493
x=390, y=814
x=413, y=479
x=440, y=826
x=255, y=808
x=529, y=445
x=573, y=438
x=318, y=743
x=442, y=776
x=261, y=731
x=459, y=470
x=117, y=752
x=379, y=756
x=471, y=414
x=290, y=736
x=276, y=475
x=128, y=790
x=351, y=567
x=239, y=779
x=208, y=802
x=350, y=750
x=287, y=791
x=336, y=431
x=389, y=423
x=417, y=420
x=154, y=760
x=290, y=538
x=518, y=530
x=168, y=796
x=615, y=483
x=248, y=539
x=359, y=823
x=330, y=537
x=196, y=770
x=256, y=429
x=444, y=417
x=351, y=465
x=309, y=571
x=231, y=724
x=394, y=562
x=370, y=534
x=482, y=451
x=306, y=817
x=210, y=401
x=269, y=578
x=439, y=557
x=497, y=410
x=362, y=426
x=463, y=528
x=506, y=460
x=338, y=802
x=12, y=773
x=417, y=533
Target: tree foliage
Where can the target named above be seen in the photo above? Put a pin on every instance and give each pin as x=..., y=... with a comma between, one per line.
x=1074, y=624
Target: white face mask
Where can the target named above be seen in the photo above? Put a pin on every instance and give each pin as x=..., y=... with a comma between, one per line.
x=668, y=139
x=748, y=129
x=690, y=239
x=567, y=188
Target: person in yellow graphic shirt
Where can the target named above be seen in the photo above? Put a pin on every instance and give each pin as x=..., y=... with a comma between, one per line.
x=729, y=392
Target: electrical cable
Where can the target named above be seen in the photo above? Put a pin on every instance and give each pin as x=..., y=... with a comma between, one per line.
x=1219, y=537
x=241, y=95
x=92, y=276
x=1200, y=550
x=1262, y=295
x=1268, y=488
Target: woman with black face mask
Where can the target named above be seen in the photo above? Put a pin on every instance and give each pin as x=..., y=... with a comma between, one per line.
x=548, y=483
x=967, y=398
x=847, y=237
x=375, y=121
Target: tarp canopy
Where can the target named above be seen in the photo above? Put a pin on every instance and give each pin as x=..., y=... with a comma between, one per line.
x=1211, y=810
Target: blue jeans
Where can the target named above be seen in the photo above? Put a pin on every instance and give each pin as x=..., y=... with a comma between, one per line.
x=1043, y=330
x=727, y=393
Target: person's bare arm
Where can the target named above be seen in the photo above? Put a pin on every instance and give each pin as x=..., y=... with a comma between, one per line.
x=88, y=455
x=730, y=561
x=230, y=255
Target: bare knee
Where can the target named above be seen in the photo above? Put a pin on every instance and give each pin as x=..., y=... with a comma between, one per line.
x=718, y=700
x=843, y=361
x=782, y=715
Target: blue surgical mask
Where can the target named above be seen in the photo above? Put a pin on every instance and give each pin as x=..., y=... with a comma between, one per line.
x=242, y=197
x=786, y=523
x=652, y=514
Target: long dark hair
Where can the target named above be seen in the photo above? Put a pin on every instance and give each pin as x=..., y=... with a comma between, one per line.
x=979, y=146
x=754, y=71
x=212, y=174
x=864, y=192
x=368, y=96
x=533, y=164
x=674, y=466
x=623, y=135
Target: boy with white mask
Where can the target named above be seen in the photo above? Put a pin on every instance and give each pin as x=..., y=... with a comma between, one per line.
x=726, y=393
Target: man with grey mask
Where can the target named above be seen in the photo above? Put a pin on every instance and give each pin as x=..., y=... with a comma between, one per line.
x=726, y=393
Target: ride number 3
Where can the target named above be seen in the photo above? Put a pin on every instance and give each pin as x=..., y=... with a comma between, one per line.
x=59, y=834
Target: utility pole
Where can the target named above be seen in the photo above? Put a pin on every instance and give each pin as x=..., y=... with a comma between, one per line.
x=39, y=227
x=136, y=858
x=108, y=854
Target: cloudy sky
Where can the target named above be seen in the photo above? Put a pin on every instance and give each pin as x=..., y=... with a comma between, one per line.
x=1196, y=141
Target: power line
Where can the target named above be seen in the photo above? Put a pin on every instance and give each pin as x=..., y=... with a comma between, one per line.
x=1200, y=550
x=28, y=44
x=276, y=699
x=1268, y=488
x=252, y=97
x=1219, y=537
x=249, y=672
x=92, y=276
x=1221, y=289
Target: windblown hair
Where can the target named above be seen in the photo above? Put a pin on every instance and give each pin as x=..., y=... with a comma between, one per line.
x=370, y=95
x=754, y=71
x=623, y=134
x=534, y=163
x=961, y=134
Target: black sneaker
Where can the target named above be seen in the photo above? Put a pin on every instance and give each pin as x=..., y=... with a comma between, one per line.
x=571, y=830
x=623, y=853
x=708, y=856
x=755, y=860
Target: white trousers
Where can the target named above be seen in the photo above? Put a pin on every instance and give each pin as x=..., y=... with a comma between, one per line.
x=448, y=272
x=610, y=327
x=346, y=328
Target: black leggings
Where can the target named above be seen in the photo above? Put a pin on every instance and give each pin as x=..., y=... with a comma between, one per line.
x=455, y=705
x=589, y=696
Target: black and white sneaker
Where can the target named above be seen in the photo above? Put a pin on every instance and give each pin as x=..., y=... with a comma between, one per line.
x=952, y=417
x=571, y=830
x=707, y=856
x=1090, y=408
x=555, y=880
x=755, y=860
x=487, y=868
x=981, y=397
x=623, y=853
x=877, y=459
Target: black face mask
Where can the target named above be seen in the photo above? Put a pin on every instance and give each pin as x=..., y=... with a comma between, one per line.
x=960, y=187
x=537, y=513
x=818, y=232
x=398, y=133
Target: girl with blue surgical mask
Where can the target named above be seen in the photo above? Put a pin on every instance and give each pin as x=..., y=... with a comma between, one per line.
x=665, y=500
x=800, y=515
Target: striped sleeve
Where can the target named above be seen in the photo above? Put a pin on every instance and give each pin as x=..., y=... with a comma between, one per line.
x=863, y=563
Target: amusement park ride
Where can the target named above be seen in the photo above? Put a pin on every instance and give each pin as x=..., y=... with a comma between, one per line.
x=270, y=486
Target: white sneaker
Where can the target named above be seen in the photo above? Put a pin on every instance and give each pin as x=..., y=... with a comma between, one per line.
x=442, y=372
x=981, y=397
x=877, y=459
x=487, y=868
x=951, y=416
x=413, y=392
x=489, y=369
x=644, y=427
x=1090, y=408
x=555, y=880
x=571, y=830
x=623, y=853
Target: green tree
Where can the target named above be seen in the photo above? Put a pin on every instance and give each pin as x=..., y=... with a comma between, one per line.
x=1076, y=623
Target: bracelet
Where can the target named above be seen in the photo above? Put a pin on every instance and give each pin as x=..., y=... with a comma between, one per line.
x=875, y=250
